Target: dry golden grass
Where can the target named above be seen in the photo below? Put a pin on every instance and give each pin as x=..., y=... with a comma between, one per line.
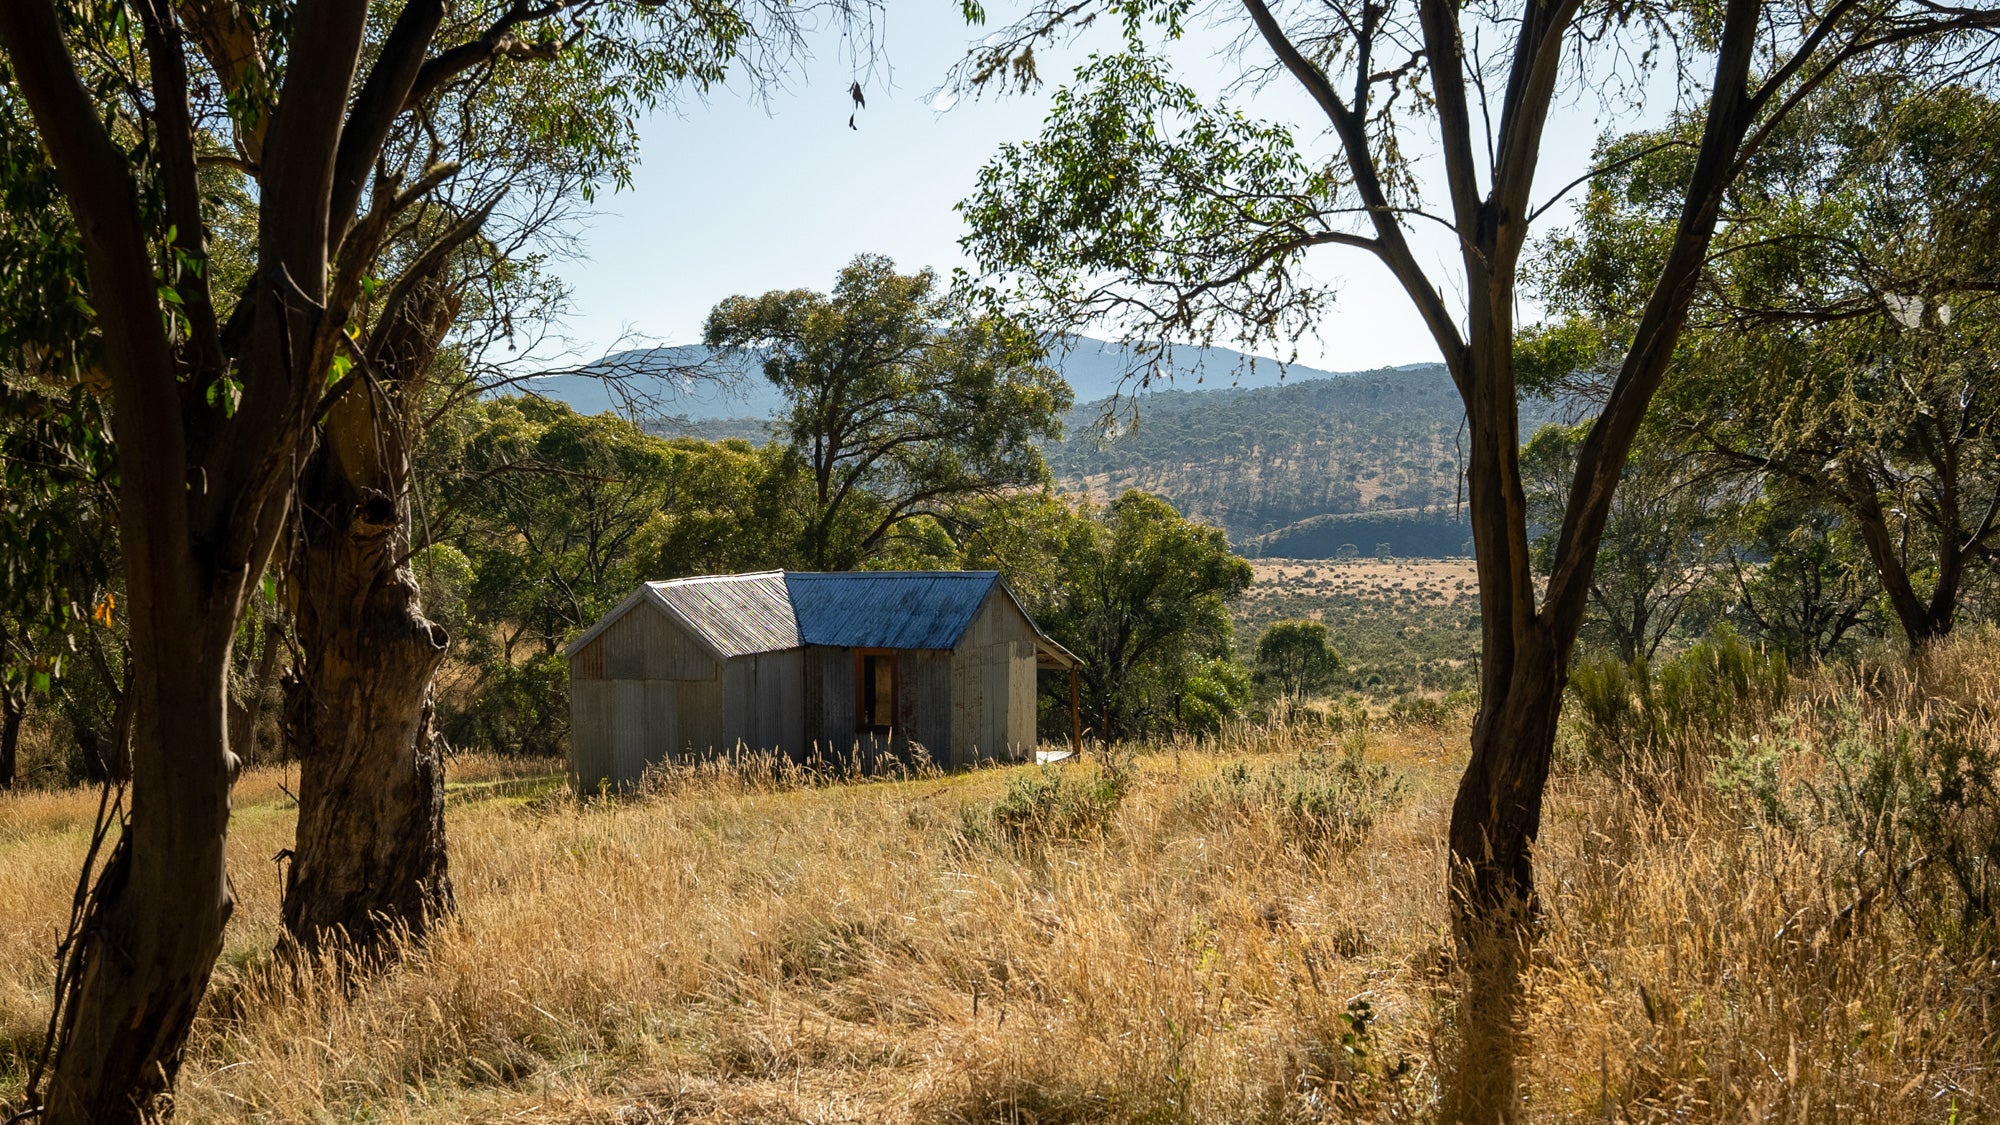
x=726, y=948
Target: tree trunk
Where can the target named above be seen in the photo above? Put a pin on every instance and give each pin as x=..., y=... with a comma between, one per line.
x=250, y=714
x=13, y=708
x=1923, y=622
x=1497, y=812
x=153, y=927
x=1494, y=823
x=370, y=859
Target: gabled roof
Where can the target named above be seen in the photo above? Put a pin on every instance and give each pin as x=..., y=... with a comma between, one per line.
x=770, y=611
x=736, y=614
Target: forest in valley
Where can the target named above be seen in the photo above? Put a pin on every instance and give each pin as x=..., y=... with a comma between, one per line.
x=1601, y=723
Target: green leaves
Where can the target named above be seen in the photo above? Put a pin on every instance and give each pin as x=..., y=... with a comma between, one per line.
x=902, y=402
x=1143, y=212
x=1297, y=656
x=1841, y=350
x=225, y=393
x=553, y=518
x=1142, y=598
x=57, y=476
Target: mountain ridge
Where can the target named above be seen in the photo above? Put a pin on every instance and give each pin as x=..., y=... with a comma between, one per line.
x=1314, y=465
x=691, y=383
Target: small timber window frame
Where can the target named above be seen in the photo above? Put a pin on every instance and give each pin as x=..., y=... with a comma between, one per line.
x=875, y=669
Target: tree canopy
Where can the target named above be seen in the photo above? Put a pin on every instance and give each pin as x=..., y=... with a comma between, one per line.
x=1297, y=656
x=901, y=402
x=1143, y=600
x=1844, y=316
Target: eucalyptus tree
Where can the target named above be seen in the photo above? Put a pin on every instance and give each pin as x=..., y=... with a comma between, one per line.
x=1297, y=656
x=1142, y=598
x=473, y=182
x=1659, y=538
x=1847, y=317
x=154, y=117
x=1146, y=211
x=902, y=402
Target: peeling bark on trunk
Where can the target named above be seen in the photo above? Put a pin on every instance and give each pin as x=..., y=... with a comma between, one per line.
x=370, y=861
x=205, y=479
x=370, y=858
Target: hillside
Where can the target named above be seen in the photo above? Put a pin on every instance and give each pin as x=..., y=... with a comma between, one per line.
x=1313, y=465
x=687, y=384
x=1296, y=471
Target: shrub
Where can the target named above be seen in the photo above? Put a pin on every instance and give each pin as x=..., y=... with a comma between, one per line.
x=522, y=710
x=1211, y=696
x=1901, y=763
x=1058, y=803
x=1425, y=711
x=1639, y=715
x=1919, y=800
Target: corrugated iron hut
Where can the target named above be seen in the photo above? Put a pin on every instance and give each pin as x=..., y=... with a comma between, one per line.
x=792, y=663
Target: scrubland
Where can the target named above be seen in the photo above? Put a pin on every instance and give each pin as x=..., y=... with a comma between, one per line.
x=1399, y=624
x=1778, y=917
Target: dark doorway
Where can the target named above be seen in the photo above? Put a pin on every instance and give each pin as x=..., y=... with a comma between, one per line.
x=875, y=690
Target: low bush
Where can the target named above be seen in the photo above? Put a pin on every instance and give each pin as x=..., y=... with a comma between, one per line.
x=1635, y=718
x=1901, y=761
x=1431, y=711
x=1059, y=802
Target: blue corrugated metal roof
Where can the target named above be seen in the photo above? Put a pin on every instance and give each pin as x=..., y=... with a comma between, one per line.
x=888, y=608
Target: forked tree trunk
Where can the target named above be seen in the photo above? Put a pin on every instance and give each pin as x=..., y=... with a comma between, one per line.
x=370, y=861
x=154, y=926
x=1497, y=813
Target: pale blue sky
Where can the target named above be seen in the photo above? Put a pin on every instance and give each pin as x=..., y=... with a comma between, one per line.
x=734, y=196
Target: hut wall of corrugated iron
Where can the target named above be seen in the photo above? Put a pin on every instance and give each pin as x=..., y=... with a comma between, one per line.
x=660, y=696
x=619, y=727
x=993, y=686
x=588, y=663
x=764, y=703
x=829, y=711
x=647, y=644
x=923, y=701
